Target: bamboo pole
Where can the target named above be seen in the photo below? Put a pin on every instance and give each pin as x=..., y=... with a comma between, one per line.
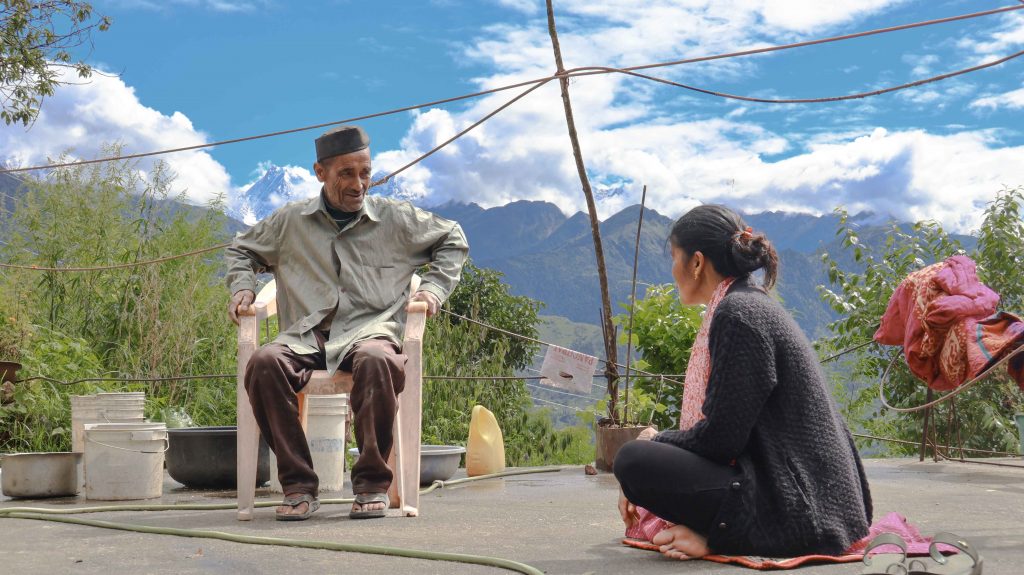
x=607, y=328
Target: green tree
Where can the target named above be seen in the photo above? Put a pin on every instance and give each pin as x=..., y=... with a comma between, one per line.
x=984, y=413
x=37, y=43
x=145, y=321
x=663, y=334
x=458, y=348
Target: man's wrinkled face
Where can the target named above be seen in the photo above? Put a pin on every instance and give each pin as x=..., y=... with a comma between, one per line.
x=346, y=179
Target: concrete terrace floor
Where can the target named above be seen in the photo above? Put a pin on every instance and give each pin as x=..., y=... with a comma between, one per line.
x=562, y=522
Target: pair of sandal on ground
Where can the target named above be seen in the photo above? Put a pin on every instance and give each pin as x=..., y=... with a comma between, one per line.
x=312, y=504
x=966, y=561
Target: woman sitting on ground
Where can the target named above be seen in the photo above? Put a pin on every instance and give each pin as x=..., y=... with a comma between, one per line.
x=762, y=462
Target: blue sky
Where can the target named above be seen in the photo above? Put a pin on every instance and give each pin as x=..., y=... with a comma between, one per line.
x=189, y=71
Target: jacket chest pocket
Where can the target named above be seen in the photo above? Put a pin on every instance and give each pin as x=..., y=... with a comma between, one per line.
x=378, y=285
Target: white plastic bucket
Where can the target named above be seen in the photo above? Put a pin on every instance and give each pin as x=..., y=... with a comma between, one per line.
x=325, y=435
x=124, y=460
x=125, y=407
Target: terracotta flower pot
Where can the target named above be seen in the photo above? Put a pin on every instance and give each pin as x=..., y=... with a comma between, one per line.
x=610, y=440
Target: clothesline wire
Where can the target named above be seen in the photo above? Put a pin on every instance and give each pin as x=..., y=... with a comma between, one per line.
x=558, y=404
x=960, y=389
x=542, y=342
x=553, y=390
x=576, y=72
x=905, y=442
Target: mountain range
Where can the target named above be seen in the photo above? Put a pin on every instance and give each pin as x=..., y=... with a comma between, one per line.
x=549, y=256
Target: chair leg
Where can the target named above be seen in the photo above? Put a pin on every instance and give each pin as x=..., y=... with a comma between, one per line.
x=247, y=440
x=408, y=437
x=247, y=444
x=395, y=465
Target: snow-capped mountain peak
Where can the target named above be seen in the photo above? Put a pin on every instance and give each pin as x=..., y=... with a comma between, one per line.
x=276, y=186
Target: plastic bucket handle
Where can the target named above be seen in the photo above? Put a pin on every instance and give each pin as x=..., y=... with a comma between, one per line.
x=167, y=445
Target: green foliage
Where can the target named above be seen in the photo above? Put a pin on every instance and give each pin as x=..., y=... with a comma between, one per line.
x=482, y=296
x=663, y=333
x=458, y=348
x=168, y=320
x=984, y=413
x=38, y=38
x=39, y=418
x=148, y=321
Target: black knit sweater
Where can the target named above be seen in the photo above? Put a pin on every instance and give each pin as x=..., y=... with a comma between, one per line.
x=802, y=487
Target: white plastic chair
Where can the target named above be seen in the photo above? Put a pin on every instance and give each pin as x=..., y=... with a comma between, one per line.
x=405, y=455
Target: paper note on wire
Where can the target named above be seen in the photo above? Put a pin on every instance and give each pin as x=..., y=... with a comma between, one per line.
x=568, y=369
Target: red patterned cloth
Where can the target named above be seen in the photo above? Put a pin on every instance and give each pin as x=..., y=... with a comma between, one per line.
x=946, y=321
x=698, y=372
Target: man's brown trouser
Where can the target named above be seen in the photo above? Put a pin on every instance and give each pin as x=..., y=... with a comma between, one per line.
x=275, y=373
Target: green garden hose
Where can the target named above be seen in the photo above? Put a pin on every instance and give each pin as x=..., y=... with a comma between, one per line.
x=59, y=515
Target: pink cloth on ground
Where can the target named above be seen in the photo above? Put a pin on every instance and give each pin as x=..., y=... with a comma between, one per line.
x=917, y=545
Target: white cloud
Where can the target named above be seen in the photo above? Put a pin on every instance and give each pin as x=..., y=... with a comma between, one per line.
x=632, y=136
x=1007, y=37
x=1013, y=100
x=524, y=6
x=228, y=6
x=80, y=119
x=922, y=65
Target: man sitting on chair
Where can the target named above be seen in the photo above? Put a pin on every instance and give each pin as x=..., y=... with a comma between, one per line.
x=343, y=262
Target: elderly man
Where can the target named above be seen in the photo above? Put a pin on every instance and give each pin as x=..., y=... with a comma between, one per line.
x=343, y=263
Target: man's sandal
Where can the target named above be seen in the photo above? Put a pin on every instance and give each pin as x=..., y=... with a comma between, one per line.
x=885, y=563
x=966, y=562
x=312, y=505
x=364, y=499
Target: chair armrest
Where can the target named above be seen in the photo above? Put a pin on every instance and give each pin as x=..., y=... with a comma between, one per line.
x=416, y=322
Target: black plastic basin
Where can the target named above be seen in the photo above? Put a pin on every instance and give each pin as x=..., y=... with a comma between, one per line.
x=206, y=457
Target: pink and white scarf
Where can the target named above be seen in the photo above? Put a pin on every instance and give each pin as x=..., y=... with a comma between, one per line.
x=698, y=372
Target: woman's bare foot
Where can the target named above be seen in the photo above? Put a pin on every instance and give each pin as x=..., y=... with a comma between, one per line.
x=680, y=542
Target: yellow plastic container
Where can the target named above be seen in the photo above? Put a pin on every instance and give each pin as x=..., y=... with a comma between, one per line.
x=485, y=451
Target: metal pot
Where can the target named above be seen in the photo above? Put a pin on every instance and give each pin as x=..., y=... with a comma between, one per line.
x=37, y=475
x=437, y=462
x=206, y=457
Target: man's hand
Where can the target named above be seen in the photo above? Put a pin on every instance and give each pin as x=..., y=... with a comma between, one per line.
x=240, y=302
x=627, y=510
x=433, y=304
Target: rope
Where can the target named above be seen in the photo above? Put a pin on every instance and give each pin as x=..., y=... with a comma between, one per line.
x=849, y=349
x=542, y=342
x=233, y=376
x=114, y=266
x=558, y=404
x=570, y=394
x=821, y=100
x=905, y=442
x=537, y=81
x=963, y=387
x=126, y=379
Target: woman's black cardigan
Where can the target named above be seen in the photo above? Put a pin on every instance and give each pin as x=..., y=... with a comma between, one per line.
x=801, y=487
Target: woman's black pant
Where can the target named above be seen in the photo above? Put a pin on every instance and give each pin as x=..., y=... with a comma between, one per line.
x=675, y=484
